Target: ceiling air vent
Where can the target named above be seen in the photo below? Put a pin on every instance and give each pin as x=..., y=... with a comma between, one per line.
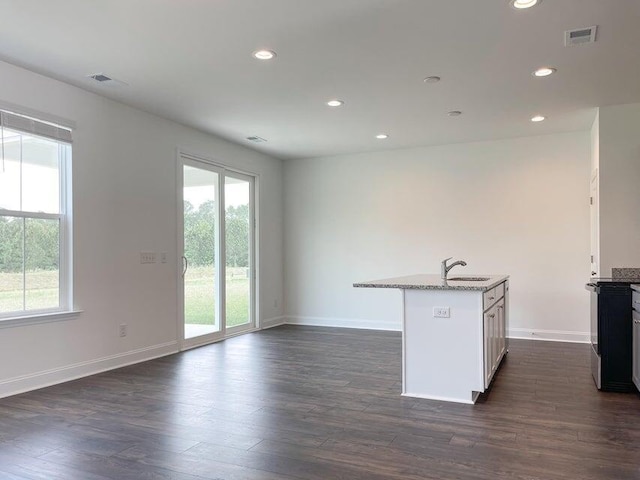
x=106, y=80
x=580, y=36
x=100, y=77
x=256, y=139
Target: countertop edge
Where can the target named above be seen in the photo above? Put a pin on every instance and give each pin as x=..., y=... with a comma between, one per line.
x=473, y=288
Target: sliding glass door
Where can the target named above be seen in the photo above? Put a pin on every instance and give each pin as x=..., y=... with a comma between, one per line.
x=217, y=243
x=238, y=250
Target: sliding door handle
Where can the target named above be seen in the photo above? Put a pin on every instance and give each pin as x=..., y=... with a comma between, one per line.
x=185, y=266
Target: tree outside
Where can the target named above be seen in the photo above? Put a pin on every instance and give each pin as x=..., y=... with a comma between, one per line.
x=199, y=247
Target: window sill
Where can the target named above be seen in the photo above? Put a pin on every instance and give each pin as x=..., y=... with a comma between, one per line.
x=38, y=318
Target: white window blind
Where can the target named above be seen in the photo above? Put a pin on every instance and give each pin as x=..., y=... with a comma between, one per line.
x=33, y=126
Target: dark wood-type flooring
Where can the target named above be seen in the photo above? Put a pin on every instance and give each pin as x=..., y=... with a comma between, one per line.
x=318, y=403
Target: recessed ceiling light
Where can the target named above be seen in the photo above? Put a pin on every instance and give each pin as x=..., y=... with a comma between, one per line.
x=538, y=118
x=335, y=103
x=522, y=4
x=264, y=54
x=382, y=136
x=432, y=79
x=454, y=113
x=544, y=71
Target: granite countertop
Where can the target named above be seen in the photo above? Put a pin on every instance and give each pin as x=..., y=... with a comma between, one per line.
x=434, y=282
x=636, y=288
x=628, y=281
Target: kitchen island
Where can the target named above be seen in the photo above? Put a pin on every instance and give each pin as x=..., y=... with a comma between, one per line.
x=453, y=333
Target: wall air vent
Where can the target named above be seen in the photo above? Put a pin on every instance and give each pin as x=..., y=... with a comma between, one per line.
x=580, y=36
x=256, y=139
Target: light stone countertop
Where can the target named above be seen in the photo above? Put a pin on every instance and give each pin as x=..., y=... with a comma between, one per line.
x=636, y=288
x=434, y=282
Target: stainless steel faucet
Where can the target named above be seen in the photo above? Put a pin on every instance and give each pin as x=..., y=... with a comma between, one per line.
x=445, y=269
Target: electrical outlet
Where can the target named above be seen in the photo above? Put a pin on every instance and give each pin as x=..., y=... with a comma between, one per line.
x=147, y=257
x=441, y=312
x=122, y=330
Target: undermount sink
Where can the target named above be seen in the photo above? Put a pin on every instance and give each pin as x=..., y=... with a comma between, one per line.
x=468, y=279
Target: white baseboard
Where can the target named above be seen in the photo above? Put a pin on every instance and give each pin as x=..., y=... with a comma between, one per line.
x=466, y=401
x=520, y=333
x=272, y=322
x=344, y=323
x=25, y=383
x=549, y=335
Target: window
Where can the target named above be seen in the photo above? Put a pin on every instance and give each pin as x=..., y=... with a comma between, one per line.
x=35, y=258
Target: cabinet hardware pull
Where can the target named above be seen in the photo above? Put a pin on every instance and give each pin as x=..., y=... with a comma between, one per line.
x=493, y=315
x=492, y=298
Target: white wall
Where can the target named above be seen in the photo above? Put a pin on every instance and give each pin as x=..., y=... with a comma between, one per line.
x=619, y=187
x=518, y=207
x=124, y=175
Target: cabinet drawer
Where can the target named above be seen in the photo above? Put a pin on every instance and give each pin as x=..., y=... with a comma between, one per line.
x=490, y=298
x=635, y=298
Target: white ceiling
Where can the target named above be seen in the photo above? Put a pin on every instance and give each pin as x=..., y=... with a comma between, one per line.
x=190, y=60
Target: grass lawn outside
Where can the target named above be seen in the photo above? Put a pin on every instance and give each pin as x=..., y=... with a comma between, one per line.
x=199, y=296
x=42, y=292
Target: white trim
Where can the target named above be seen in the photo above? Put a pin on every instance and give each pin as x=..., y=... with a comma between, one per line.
x=475, y=396
x=345, y=323
x=35, y=318
x=197, y=160
x=404, y=344
x=36, y=215
x=199, y=157
x=65, y=308
x=204, y=340
x=254, y=301
x=25, y=383
x=272, y=322
x=549, y=335
x=519, y=333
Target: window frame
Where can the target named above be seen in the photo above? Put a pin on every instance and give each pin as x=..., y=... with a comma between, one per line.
x=65, y=309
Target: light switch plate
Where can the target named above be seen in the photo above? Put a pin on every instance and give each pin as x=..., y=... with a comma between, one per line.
x=147, y=257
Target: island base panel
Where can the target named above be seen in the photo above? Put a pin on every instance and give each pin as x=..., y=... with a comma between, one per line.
x=443, y=356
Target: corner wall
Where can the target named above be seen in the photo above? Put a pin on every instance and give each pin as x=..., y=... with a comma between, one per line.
x=518, y=207
x=124, y=201
x=619, y=141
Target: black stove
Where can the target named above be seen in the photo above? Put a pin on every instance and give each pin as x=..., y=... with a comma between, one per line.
x=612, y=333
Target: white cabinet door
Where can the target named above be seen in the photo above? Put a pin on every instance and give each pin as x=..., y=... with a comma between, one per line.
x=487, y=349
x=502, y=327
x=490, y=347
x=636, y=348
